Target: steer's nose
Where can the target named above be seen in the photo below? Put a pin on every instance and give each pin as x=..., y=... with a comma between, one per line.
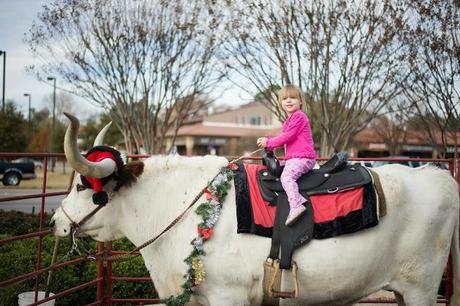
x=52, y=224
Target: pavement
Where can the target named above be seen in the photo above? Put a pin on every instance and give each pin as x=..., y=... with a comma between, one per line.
x=29, y=205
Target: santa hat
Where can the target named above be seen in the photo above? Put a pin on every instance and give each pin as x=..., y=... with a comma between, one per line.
x=97, y=154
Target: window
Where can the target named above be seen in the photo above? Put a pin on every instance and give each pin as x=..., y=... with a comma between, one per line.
x=255, y=120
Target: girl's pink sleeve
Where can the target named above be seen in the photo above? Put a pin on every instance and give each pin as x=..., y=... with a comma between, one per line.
x=295, y=126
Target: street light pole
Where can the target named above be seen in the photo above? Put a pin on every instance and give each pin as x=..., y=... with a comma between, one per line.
x=4, y=74
x=54, y=118
x=30, y=120
x=30, y=97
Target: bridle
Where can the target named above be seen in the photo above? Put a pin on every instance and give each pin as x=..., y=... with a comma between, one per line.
x=74, y=228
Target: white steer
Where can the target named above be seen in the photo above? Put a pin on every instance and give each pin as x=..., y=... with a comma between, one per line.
x=406, y=253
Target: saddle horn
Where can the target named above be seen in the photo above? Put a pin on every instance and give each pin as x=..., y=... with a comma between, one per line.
x=273, y=164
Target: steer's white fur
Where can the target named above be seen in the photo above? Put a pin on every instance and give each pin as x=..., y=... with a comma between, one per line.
x=406, y=252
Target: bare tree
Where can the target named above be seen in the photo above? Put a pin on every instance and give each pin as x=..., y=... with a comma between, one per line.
x=343, y=54
x=426, y=126
x=393, y=128
x=136, y=59
x=187, y=109
x=432, y=40
x=65, y=102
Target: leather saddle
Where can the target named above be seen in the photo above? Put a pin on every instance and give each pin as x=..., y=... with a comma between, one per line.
x=333, y=176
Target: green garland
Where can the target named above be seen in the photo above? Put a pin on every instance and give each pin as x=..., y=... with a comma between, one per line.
x=209, y=211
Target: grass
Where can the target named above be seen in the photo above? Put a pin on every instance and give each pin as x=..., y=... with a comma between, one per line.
x=55, y=180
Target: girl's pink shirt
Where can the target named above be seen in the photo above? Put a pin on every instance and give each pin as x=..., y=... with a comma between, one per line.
x=297, y=136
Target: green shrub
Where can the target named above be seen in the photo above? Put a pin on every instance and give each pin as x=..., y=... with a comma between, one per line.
x=134, y=268
x=16, y=223
x=20, y=257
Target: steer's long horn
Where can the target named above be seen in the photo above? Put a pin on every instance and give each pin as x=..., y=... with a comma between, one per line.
x=99, y=141
x=77, y=161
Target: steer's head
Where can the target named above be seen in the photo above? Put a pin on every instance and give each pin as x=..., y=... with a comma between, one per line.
x=99, y=179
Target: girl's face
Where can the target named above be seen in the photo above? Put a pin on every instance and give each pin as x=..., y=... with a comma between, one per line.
x=290, y=104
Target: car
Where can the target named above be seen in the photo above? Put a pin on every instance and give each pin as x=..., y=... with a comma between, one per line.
x=38, y=164
x=11, y=173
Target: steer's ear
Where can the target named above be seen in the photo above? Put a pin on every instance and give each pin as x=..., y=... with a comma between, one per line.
x=130, y=173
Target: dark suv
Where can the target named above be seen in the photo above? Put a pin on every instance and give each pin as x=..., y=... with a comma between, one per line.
x=11, y=173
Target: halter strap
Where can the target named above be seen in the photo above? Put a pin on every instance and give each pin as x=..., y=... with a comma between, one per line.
x=76, y=225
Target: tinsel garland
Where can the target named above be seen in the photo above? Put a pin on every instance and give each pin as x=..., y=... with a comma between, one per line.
x=209, y=211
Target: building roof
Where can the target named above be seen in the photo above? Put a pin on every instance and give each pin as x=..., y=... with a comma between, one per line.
x=217, y=130
x=413, y=137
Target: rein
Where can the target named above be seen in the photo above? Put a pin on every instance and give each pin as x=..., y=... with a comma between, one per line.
x=167, y=228
x=76, y=226
x=174, y=222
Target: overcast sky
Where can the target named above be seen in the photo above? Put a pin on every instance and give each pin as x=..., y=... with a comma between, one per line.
x=16, y=17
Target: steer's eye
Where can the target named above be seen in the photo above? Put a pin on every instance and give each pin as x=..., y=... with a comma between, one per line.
x=80, y=187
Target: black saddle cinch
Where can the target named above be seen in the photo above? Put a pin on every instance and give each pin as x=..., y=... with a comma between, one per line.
x=332, y=177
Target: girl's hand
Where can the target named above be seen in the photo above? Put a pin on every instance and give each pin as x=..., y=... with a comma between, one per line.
x=262, y=142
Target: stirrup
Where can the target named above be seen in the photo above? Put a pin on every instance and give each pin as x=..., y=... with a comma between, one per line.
x=275, y=282
x=272, y=279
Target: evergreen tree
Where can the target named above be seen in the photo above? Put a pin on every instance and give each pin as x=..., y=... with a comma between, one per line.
x=13, y=129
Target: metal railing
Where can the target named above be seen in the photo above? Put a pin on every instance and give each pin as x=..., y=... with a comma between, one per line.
x=105, y=278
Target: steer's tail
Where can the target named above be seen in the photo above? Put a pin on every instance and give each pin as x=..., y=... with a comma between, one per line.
x=455, y=252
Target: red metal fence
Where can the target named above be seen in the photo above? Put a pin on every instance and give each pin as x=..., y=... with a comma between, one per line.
x=104, y=279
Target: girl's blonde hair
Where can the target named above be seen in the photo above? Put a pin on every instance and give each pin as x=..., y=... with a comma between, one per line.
x=290, y=91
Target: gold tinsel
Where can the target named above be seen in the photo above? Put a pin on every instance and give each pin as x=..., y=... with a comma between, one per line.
x=197, y=266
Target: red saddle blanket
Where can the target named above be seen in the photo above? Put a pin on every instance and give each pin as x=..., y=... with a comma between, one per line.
x=326, y=207
x=333, y=214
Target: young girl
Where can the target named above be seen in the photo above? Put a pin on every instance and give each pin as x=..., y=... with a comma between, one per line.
x=299, y=154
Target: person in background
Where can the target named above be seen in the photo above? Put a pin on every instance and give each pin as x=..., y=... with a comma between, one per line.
x=300, y=155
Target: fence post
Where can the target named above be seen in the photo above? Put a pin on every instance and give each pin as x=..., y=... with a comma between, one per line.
x=100, y=274
x=456, y=175
x=109, y=283
x=41, y=222
x=449, y=271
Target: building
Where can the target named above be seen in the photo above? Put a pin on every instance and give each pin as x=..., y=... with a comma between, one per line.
x=414, y=143
x=233, y=132
x=229, y=132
